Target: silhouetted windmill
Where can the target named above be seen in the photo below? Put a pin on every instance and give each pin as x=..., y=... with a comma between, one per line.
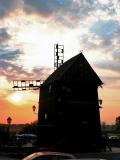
x=69, y=116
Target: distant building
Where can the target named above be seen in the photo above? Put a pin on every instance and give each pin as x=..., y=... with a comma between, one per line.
x=69, y=107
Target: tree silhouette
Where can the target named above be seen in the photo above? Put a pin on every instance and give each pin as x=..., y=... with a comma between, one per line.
x=29, y=128
x=3, y=135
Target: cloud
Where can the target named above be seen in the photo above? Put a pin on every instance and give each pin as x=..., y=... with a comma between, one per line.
x=109, y=65
x=4, y=89
x=70, y=13
x=116, y=56
x=105, y=29
x=103, y=38
x=3, y=35
x=43, y=7
x=111, y=82
x=100, y=33
x=16, y=72
x=65, y=12
x=110, y=78
x=8, y=6
x=8, y=55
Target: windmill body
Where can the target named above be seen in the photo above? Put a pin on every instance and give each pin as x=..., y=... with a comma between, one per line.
x=69, y=117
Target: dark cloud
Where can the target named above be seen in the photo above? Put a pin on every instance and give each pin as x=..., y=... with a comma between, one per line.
x=16, y=72
x=7, y=6
x=67, y=12
x=4, y=36
x=8, y=55
x=6, y=58
x=11, y=70
x=45, y=8
x=109, y=7
x=50, y=7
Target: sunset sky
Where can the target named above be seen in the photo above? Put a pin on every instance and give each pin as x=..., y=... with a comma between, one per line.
x=28, y=31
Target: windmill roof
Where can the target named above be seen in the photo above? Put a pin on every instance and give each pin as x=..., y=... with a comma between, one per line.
x=76, y=69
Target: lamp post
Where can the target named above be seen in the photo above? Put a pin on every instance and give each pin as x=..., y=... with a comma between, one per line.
x=34, y=109
x=9, y=120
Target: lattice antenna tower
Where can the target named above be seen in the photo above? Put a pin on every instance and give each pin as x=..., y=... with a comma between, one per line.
x=58, y=55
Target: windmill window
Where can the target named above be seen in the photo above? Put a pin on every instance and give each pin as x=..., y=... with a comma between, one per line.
x=68, y=92
x=63, y=88
x=60, y=114
x=59, y=99
x=46, y=116
x=50, y=88
x=81, y=65
x=84, y=122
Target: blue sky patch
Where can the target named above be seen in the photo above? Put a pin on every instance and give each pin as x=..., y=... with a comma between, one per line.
x=105, y=29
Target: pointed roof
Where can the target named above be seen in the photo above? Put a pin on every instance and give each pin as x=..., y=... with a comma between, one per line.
x=76, y=69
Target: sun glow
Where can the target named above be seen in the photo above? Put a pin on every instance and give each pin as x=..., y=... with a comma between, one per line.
x=15, y=98
x=35, y=38
x=21, y=98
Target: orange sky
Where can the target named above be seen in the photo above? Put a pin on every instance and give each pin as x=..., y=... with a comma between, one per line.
x=18, y=104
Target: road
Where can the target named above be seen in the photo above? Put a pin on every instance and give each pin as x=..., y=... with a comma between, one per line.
x=6, y=158
x=114, y=155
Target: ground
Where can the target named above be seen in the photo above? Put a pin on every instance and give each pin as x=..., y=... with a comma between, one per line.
x=114, y=155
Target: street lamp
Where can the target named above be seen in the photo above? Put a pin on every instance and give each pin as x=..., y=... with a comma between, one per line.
x=9, y=120
x=34, y=109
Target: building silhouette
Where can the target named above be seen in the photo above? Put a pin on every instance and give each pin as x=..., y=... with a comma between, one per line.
x=69, y=116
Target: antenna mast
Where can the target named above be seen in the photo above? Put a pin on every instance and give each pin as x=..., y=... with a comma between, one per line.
x=58, y=55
